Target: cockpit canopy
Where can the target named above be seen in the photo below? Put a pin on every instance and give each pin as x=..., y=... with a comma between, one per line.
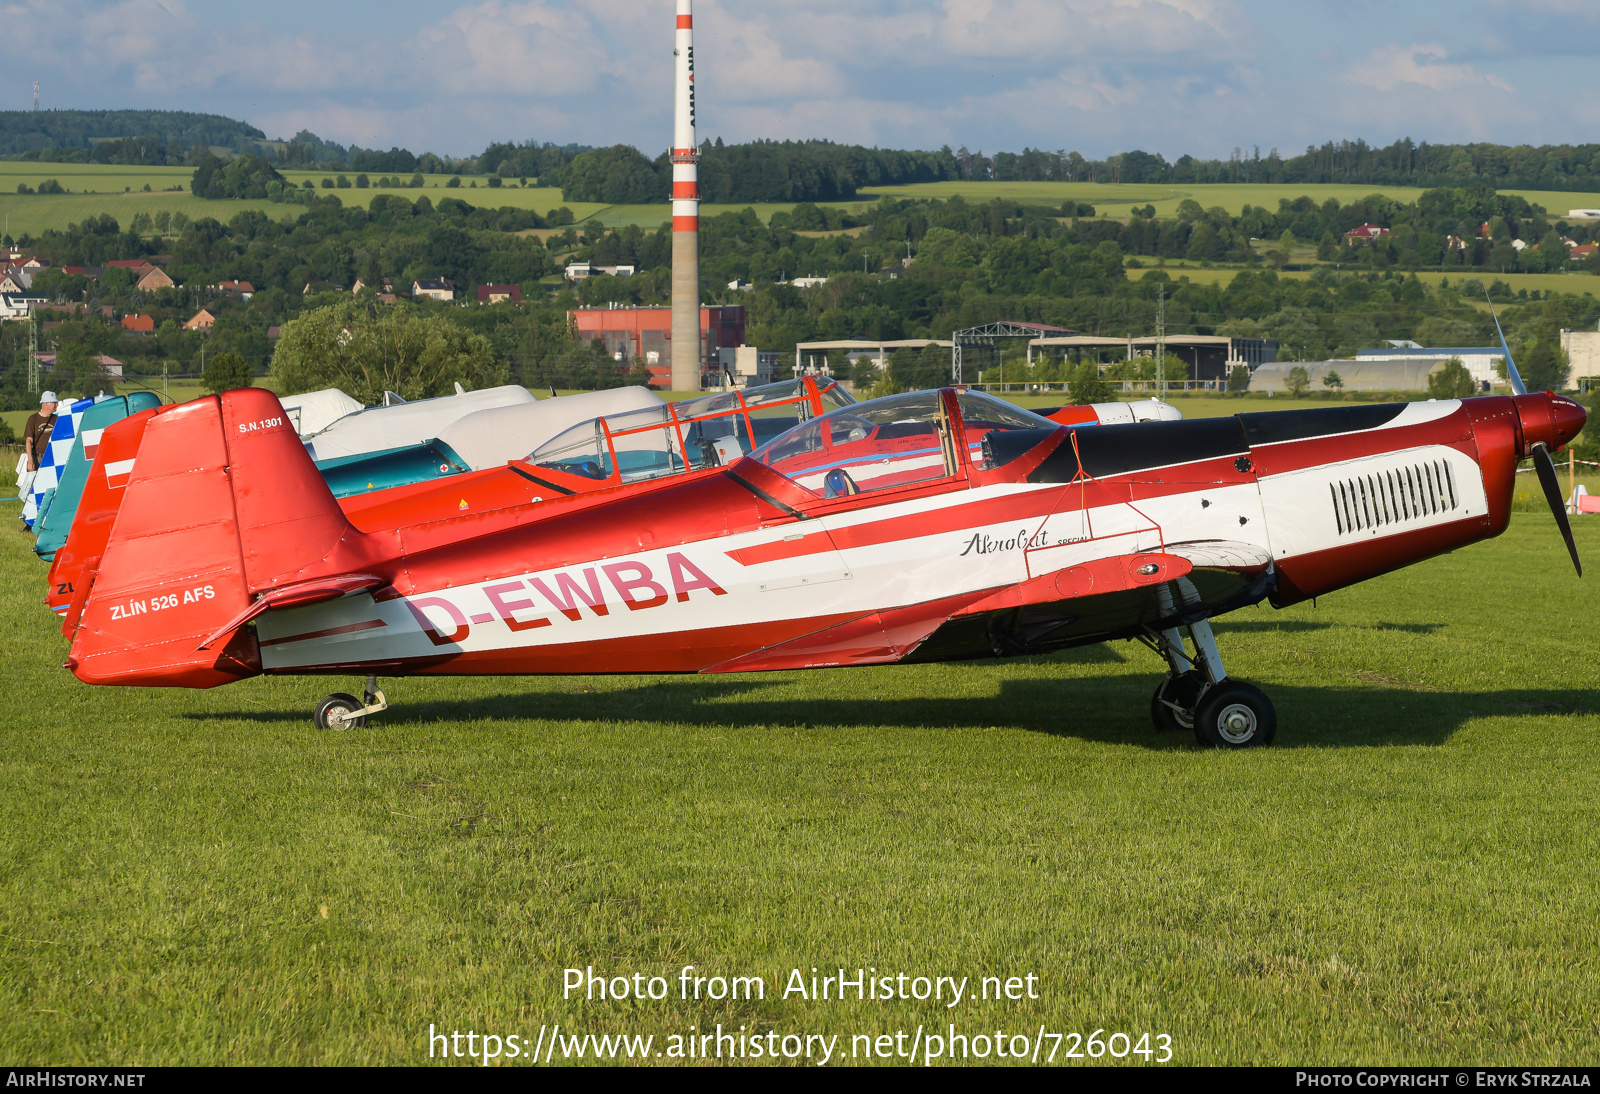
x=712, y=431
x=896, y=441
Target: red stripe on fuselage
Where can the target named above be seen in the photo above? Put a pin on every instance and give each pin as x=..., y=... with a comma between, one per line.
x=1276, y=458
x=348, y=628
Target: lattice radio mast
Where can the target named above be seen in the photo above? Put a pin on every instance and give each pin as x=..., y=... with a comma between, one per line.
x=1161, y=341
x=33, y=354
x=36, y=94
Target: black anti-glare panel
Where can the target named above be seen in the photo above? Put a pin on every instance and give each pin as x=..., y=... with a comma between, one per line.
x=1297, y=425
x=1001, y=446
x=1120, y=449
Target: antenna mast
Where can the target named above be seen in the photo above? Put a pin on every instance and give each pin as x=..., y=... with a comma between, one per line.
x=33, y=353
x=1161, y=341
x=36, y=94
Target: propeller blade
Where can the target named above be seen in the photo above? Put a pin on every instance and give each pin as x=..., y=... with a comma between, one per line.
x=1511, y=366
x=1558, y=504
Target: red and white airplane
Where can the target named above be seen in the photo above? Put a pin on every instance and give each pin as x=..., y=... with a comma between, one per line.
x=936, y=525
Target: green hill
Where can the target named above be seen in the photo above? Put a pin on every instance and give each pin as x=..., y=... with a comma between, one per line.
x=28, y=130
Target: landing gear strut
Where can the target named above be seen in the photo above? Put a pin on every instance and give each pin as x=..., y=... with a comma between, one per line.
x=342, y=711
x=1196, y=694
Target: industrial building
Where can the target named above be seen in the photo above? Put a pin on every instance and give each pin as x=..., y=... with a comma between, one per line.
x=644, y=335
x=749, y=366
x=1582, y=348
x=1362, y=374
x=1480, y=360
x=813, y=356
x=1209, y=357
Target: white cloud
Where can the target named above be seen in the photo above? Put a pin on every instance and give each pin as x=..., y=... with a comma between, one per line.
x=1425, y=65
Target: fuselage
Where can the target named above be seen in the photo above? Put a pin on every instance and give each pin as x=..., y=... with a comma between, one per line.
x=713, y=568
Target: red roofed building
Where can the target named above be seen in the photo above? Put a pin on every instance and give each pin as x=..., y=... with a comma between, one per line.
x=645, y=335
x=1365, y=234
x=139, y=324
x=499, y=294
x=1585, y=252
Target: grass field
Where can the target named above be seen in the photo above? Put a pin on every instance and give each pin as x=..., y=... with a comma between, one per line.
x=95, y=189
x=1408, y=876
x=1579, y=283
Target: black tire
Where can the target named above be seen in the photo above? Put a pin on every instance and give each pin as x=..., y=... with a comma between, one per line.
x=334, y=712
x=1236, y=715
x=1183, y=690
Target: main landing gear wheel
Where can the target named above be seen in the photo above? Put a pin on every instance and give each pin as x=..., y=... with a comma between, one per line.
x=338, y=711
x=1235, y=715
x=1172, y=706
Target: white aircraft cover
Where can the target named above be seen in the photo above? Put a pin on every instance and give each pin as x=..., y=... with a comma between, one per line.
x=313, y=411
x=1140, y=410
x=493, y=438
x=378, y=428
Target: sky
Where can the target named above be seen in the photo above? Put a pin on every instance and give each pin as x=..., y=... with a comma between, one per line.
x=1095, y=76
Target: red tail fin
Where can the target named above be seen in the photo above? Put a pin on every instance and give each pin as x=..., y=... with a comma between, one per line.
x=97, y=512
x=223, y=503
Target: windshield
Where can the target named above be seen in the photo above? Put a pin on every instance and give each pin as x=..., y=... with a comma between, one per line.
x=888, y=442
x=984, y=415
x=711, y=431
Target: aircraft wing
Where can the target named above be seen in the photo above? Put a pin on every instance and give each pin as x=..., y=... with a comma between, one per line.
x=1120, y=596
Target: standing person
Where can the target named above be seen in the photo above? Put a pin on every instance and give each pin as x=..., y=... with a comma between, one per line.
x=35, y=439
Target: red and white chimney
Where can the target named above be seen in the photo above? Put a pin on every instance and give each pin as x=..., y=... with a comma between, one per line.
x=686, y=345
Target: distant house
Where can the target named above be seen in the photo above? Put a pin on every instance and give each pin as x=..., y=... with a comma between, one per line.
x=88, y=273
x=577, y=271
x=381, y=286
x=434, y=288
x=273, y=333
x=113, y=367
x=137, y=265
x=808, y=282
x=242, y=289
x=204, y=319
x=12, y=283
x=314, y=287
x=1584, y=252
x=139, y=324
x=1365, y=234
x=154, y=278
x=499, y=294
x=18, y=305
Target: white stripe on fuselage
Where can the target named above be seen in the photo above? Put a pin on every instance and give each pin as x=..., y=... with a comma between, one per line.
x=1290, y=514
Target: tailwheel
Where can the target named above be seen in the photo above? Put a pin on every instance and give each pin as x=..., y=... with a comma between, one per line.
x=342, y=711
x=339, y=711
x=1172, y=706
x=1234, y=714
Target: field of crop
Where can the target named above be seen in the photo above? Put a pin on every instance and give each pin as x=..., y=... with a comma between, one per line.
x=95, y=189
x=1579, y=283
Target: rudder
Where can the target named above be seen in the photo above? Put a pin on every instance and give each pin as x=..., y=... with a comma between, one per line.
x=223, y=504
